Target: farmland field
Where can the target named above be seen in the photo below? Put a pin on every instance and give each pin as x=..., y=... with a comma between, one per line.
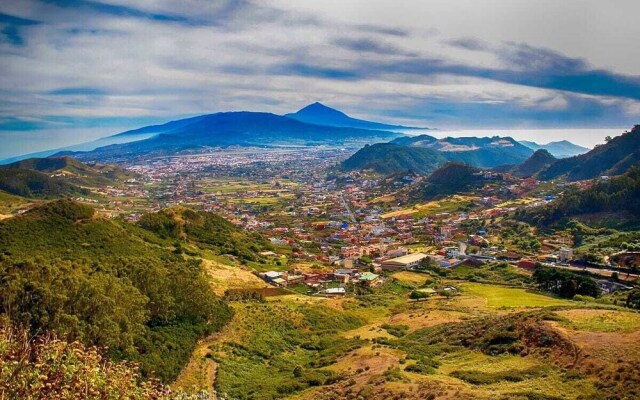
x=500, y=296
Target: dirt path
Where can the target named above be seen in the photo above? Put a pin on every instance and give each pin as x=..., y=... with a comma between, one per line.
x=200, y=372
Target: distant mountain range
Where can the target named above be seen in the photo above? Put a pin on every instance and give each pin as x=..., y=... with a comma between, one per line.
x=503, y=154
x=560, y=149
x=424, y=154
x=612, y=158
x=246, y=128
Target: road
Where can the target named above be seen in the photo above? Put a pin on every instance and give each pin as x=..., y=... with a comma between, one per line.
x=597, y=271
x=346, y=206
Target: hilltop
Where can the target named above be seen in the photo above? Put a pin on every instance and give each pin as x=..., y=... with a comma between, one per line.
x=424, y=153
x=388, y=158
x=485, y=152
x=319, y=114
x=538, y=161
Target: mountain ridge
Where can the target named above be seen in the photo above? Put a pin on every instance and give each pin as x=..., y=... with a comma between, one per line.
x=559, y=149
x=319, y=114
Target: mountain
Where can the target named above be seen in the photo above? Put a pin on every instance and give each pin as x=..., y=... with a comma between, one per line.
x=451, y=178
x=388, y=158
x=560, y=149
x=319, y=114
x=238, y=128
x=612, y=158
x=486, y=152
x=34, y=184
x=73, y=171
x=540, y=160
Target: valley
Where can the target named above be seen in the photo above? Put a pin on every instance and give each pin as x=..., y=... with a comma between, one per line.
x=349, y=283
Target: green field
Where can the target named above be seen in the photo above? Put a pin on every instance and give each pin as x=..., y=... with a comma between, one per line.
x=500, y=296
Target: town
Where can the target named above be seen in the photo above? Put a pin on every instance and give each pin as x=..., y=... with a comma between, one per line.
x=333, y=231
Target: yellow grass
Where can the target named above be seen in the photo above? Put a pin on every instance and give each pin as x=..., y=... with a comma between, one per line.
x=225, y=277
x=601, y=320
x=412, y=277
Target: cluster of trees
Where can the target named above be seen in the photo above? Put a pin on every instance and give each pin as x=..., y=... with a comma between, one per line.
x=616, y=194
x=451, y=178
x=565, y=283
x=105, y=283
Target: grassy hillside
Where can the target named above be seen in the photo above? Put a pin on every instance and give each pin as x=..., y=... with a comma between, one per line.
x=28, y=183
x=107, y=283
x=618, y=195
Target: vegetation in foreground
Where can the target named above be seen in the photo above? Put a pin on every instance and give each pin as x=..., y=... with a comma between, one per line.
x=110, y=283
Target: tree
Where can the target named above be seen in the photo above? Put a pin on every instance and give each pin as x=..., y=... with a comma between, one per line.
x=633, y=299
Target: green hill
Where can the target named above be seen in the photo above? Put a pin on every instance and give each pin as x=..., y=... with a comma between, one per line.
x=115, y=284
x=73, y=171
x=388, y=158
x=540, y=160
x=611, y=158
x=29, y=183
x=451, y=178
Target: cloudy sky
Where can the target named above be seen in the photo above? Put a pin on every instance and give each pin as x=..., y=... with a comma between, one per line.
x=73, y=70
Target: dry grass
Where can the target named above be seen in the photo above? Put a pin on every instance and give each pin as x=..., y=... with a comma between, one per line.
x=412, y=277
x=225, y=277
x=601, y=320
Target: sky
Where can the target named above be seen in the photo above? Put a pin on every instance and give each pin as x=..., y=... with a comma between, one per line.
x=75, y=70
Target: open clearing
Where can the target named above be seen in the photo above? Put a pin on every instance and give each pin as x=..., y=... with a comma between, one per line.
x=225, y=277
x=500, y=296
x=412, y=277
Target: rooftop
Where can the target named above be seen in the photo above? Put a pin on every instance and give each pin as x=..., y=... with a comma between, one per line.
x=408, y=259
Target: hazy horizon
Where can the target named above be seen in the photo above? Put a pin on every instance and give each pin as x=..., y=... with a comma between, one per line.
x=587, y=137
